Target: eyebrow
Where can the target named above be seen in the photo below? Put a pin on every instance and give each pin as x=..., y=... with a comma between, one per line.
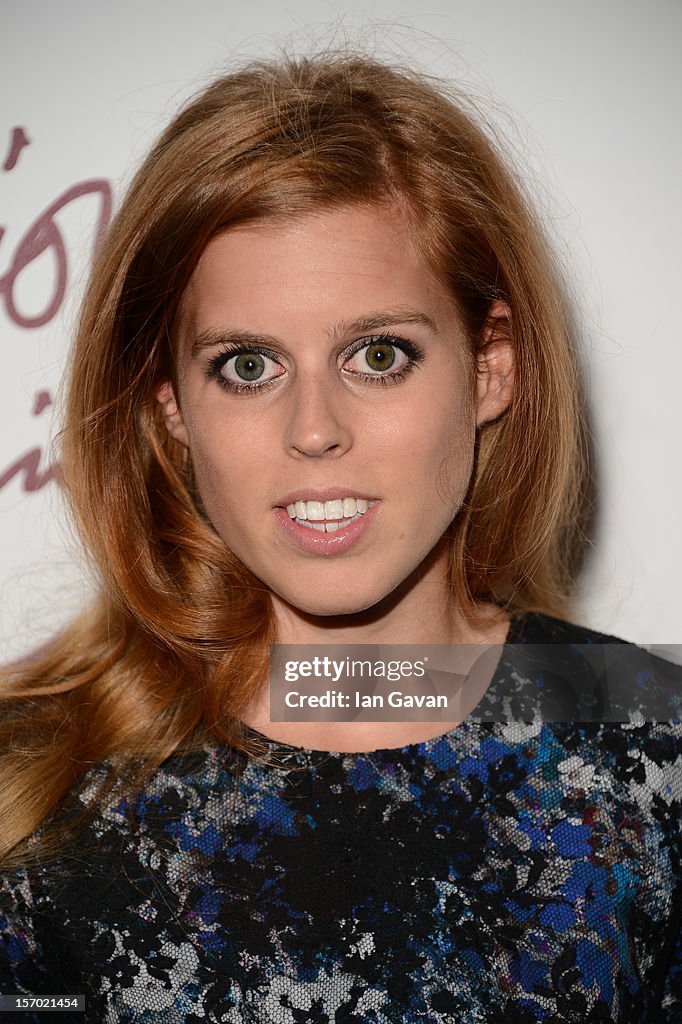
x=213, y=336
x=226, y=336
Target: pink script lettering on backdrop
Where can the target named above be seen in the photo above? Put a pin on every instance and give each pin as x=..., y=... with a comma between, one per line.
x=41, y=236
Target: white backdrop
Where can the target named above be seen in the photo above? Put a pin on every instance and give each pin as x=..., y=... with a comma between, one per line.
x=587, y=95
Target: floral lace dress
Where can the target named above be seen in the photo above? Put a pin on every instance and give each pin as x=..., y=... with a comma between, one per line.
x=507, y=872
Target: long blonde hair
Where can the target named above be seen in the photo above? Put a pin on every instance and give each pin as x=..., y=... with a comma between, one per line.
x=173, y=650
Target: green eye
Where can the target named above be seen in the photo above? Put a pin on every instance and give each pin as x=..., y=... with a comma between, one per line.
x=380, y=356
x=246, y=370
x=249, y=366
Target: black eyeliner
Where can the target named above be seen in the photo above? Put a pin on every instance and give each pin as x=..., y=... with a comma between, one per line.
x=415, y=356
x=218, y=361
x=404, y=344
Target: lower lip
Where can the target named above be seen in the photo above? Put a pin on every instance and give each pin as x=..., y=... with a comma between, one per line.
x=317, y=543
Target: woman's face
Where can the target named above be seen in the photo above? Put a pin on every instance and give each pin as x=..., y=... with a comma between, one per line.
x=329, y=400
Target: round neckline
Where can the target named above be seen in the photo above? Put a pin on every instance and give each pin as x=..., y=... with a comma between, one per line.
x=315, y=754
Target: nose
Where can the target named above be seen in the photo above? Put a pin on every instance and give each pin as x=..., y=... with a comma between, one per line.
x=318, y=422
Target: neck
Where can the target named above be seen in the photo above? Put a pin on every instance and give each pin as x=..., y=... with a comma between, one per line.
x=419, y=611
x=421, y=614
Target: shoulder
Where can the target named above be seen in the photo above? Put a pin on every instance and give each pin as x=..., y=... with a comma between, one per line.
x=592, y=676
x=538, y=628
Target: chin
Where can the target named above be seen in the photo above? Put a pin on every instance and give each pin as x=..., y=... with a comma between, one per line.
x=327, y=605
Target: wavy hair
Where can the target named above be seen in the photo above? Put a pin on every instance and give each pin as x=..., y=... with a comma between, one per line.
x=173, y=650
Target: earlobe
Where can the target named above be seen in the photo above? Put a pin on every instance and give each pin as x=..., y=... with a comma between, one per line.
x=172, y=416
x=495, y=365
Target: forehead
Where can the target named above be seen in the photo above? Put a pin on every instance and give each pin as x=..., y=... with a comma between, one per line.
x=344, y=262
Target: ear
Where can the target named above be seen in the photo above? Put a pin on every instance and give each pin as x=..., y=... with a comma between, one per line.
x=494, y=364
x=171, y=413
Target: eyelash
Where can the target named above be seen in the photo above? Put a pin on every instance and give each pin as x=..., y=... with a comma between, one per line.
x=413, y=353
x=217, y=363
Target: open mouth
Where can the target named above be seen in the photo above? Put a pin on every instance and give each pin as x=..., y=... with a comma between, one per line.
x=328, y=516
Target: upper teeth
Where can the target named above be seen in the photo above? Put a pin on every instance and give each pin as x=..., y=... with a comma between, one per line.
x=318, y=511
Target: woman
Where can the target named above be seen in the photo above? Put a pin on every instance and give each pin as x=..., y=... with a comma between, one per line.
x=322, y=392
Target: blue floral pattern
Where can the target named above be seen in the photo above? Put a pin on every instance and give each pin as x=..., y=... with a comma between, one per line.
x=504, y=873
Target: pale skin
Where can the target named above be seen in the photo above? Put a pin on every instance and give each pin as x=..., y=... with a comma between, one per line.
x=313, y=309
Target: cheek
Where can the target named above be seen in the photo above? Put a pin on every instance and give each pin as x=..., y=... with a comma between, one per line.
x=455, y=471
x=226, y=459
x=446, y=440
